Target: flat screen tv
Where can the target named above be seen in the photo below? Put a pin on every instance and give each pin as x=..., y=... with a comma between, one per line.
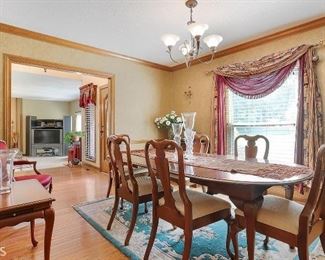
x=47, y=136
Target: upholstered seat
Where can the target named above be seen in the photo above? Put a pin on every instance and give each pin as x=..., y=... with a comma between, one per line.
x=45, y=180
x=144, y=185
x=202, y=204
x=279, y=213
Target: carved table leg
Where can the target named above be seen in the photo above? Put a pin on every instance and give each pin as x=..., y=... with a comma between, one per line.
x=250, y=211
x=49, y=223
x=32, y=233
x=289, y=190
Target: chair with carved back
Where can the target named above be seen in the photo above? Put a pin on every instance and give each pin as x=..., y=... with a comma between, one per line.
x=288, y=221
x=136, y=170
x=251, y=153
x=134, y=189
x=44, y=179
x=201, y=143
x=184, y=208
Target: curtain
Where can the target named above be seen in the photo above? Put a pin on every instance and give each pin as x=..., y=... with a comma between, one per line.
x=88, y=94
x=256, y=79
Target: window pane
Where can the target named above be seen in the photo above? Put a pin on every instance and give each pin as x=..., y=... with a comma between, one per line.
x=90, y=113
x=273, y=116
x=78, y=122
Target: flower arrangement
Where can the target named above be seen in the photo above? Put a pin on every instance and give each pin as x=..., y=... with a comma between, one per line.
x=167, y=120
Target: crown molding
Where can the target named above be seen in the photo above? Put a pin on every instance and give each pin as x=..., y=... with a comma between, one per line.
x=6, y=28
x=302, y=27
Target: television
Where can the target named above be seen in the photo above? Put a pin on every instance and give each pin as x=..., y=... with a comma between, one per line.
x=47, y=136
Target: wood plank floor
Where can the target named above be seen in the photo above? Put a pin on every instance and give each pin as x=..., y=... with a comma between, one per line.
x=73, y=237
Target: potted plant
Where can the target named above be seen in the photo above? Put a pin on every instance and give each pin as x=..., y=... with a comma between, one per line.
x=71, y=137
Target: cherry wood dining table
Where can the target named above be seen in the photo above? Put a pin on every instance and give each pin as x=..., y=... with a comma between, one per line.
x=244, y=190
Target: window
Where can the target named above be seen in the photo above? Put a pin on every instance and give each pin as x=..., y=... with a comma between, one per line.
x=90, y=118
x=78, y=125
x=273, y=116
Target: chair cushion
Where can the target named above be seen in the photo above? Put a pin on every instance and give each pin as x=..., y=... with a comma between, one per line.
x=279, y=213
x=145, y=185
x=202, y=203
x=45, y=180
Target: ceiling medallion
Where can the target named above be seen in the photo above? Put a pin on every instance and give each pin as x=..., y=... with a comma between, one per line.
x=191, y=48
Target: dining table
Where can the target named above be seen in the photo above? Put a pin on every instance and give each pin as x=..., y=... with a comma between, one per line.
x=245, y=181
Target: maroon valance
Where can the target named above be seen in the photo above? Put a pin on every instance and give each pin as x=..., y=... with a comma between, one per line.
x=88, y=94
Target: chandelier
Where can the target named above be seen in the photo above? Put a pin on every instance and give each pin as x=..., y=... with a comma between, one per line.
x=191, y=48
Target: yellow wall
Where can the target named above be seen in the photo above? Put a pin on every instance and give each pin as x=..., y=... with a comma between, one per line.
x=202, y=84
x=142, y=93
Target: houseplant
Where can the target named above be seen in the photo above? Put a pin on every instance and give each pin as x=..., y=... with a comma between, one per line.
x=73, y=136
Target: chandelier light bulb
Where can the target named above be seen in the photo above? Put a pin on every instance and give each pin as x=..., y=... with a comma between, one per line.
x=197, y=29
x=170, y=40
x=184, y=48
x=213, y=40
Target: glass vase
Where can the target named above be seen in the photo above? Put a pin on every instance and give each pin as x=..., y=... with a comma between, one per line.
x=177, y=131
x=188, y=120
x=189, y=139
x=6, y=169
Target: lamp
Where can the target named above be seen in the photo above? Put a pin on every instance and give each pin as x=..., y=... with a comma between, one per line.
x=190, y=49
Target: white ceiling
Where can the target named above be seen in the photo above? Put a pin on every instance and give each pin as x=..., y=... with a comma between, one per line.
x=134, y=28
x=30, y=82
x=44, y=87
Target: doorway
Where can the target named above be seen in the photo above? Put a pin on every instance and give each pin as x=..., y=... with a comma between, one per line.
x=11, y=114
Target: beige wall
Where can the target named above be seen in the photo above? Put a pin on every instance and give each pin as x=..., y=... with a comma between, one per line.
x=142, y=93
x=202, y=84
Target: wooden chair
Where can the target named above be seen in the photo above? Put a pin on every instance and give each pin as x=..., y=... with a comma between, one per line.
x=136, y=190
x=136, y=170
x=251, y=153
x=201, y=143
x=289, y=221
x=44, y=179
x=251, y=148
x=186, y=209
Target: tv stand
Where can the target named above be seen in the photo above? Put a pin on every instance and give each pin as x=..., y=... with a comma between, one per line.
x=45, y=151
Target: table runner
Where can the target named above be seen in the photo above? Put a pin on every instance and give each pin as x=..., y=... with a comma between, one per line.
x=221, y=163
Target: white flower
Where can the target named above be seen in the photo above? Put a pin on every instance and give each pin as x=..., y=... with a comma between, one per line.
x=161, y=121
x=172, y=117
x=179, y=120
x=168, y=123
x=173, y=112
x=164, y=119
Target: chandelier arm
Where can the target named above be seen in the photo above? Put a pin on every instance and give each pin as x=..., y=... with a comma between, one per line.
x=171, y=57
x=207, y=62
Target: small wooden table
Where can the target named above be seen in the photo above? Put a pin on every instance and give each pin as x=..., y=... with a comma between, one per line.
x=244, y=190
x=28, y=201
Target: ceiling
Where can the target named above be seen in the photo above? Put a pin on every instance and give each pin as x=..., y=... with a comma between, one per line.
x=36, y=83
x=134, y=28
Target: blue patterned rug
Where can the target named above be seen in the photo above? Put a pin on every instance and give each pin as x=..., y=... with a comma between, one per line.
x=208, y=242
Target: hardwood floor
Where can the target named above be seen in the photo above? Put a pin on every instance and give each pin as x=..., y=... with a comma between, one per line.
x=73, y=237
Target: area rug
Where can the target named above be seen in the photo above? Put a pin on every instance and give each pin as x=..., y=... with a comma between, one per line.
x=208, y=242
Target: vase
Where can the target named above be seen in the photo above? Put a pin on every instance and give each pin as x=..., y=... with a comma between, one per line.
x=6, y=169
x=170, y=134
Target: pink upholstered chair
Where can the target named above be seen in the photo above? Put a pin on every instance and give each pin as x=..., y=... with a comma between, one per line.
x=45, y=180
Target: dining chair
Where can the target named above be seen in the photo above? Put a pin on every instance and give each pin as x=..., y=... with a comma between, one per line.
x=251, y=148
x=184, y=208
x=288, y=221
x=251, y=153
x=136, y=170
x=44, y=179
x=201, y=143
x=134, y=189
